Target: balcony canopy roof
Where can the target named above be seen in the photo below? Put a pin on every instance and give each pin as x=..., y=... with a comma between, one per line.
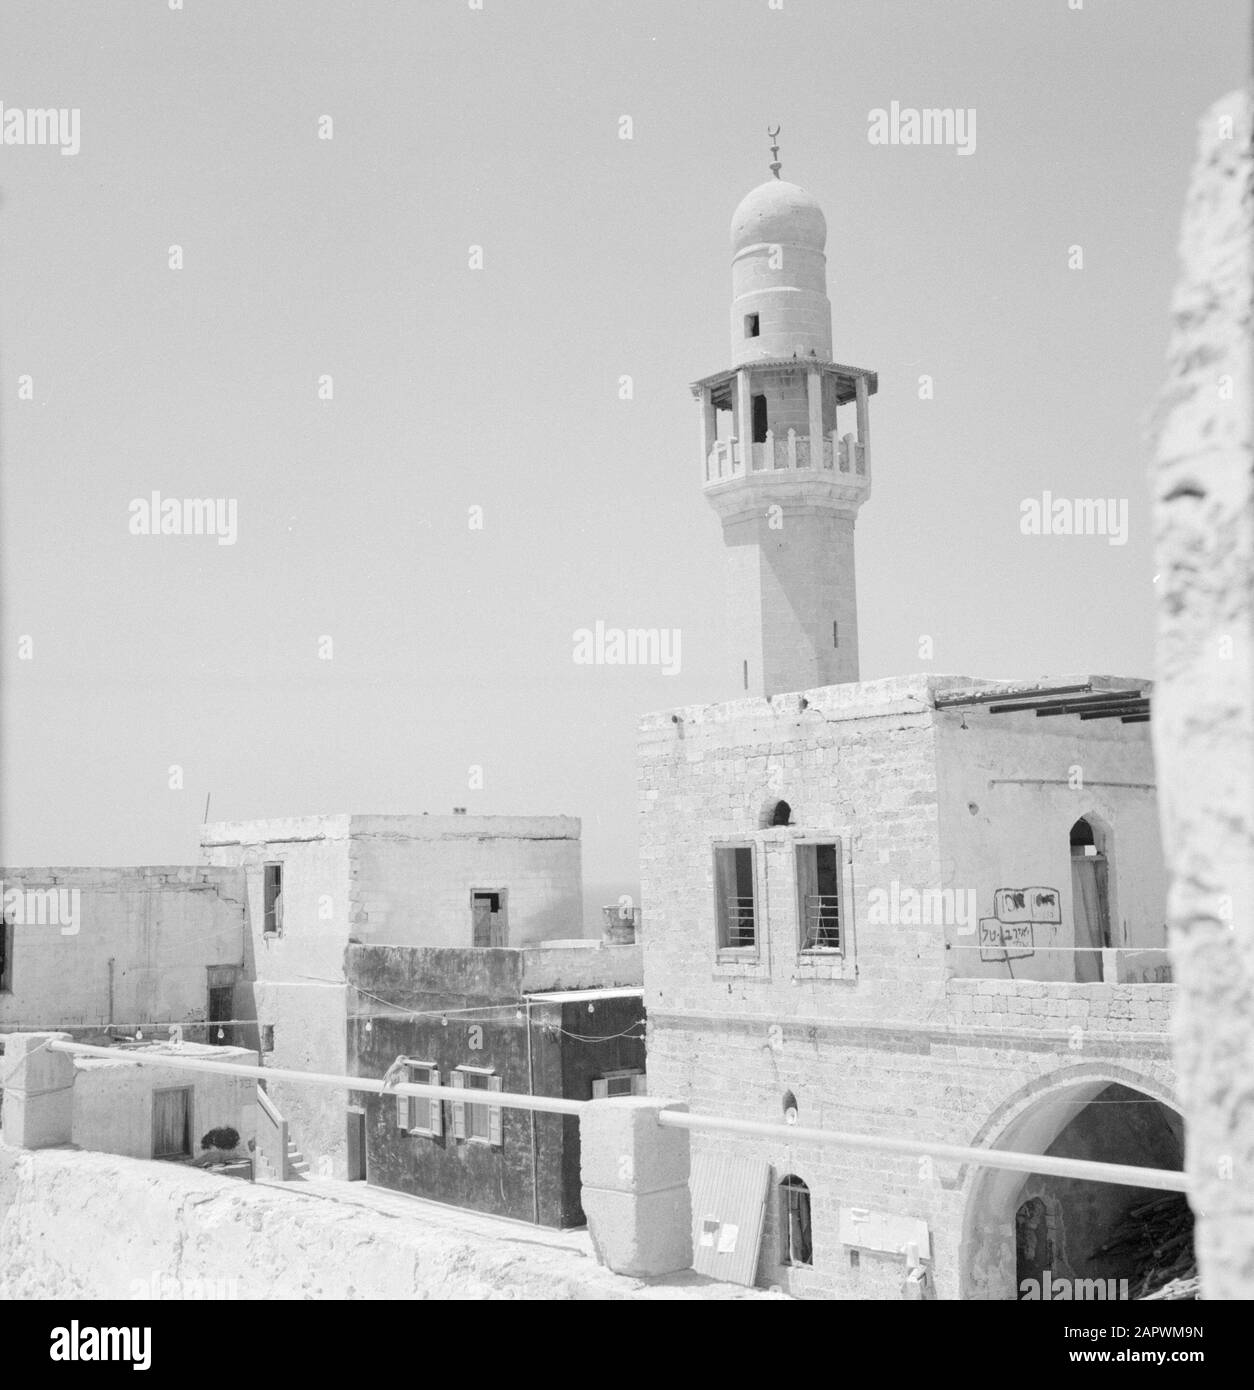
x=721, y=384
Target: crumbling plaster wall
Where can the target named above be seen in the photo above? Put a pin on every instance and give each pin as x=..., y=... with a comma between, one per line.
x=1010, y=788
x=160, y=927
x=1204, y=700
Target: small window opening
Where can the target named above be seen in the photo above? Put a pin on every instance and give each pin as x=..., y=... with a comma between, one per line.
x=790, y=1108
x=267, y=1037
x=752, y=326
x=794, y=1212
x=835, y=634
x=273, y=898
x=746, y=675
x=818, y=897
x=735, y=899
x=759, y=420
x=782, y=814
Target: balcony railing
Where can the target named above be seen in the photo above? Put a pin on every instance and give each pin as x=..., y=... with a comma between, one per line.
x=738, y=922
x=787, y=452
x=822, y=923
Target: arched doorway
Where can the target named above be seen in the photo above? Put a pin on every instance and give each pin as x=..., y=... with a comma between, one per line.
x=1018, y=1228
x=1090, y=897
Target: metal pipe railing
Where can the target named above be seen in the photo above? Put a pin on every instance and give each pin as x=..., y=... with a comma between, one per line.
x=1122, y=1174
x=1087, y=1170
x=551, y=1104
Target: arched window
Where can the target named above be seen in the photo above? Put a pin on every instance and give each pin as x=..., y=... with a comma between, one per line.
x=790, y=1108
x=1090, y=899
x=796, y=1247
x=782, y=814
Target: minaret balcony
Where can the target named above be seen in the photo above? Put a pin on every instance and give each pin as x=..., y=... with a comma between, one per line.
x=791, y=451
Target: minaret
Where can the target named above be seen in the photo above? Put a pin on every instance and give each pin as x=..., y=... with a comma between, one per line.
x=785, y=448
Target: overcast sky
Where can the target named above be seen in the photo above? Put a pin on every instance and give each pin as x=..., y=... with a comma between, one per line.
x=499, y=387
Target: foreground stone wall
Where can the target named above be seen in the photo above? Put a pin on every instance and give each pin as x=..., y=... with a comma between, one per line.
x=82, y=1225
x=1204, y=703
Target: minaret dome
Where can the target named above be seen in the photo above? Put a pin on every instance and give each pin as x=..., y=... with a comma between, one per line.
x=779, y=276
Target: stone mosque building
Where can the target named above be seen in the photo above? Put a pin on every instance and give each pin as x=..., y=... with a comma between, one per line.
x=925, y=906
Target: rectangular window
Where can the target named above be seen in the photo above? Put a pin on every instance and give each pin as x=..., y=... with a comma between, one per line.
x=420, y=1114
x=488, y=917
x=267, y=1037
x=819, y=898
x=273, y=898
x=6, y=956
x=735, y=898
x=476, y=1121
x=753, y=326
x=627, y=1081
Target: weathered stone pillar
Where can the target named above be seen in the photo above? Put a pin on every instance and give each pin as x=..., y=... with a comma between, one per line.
x=38, y=1091
x=635, y=1186
x=1204, y=700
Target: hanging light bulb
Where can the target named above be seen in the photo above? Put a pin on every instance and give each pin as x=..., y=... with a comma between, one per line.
x=221, y=1035
x=518, y=1014
x=139, y=1035
x=591, y=1010
x=369, y=1026
x=444, y=1020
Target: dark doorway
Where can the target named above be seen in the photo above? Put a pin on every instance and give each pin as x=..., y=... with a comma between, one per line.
x=357, y=1146
x=1090, y=901
x=759, y=420
x=172, y=1123
x=221, y=1011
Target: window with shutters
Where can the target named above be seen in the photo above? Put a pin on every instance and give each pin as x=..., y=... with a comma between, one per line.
x=421, y=1115
x=474, y=1121
x=735, y=899
x=625, y=1082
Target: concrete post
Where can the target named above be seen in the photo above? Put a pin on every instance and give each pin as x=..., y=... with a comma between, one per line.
x=635, y=1186
x=1203, y=722
x=863, y=408
x=709, y=431
x=814, y=399
x=744, y=419
x=38, y=1091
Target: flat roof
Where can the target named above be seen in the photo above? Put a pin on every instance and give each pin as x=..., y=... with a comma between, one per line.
x=577, y=996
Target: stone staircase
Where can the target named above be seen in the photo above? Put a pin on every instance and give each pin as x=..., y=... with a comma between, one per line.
x=273, y=1140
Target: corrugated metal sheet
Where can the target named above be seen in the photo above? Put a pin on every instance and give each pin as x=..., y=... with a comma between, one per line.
x=728, y=1208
